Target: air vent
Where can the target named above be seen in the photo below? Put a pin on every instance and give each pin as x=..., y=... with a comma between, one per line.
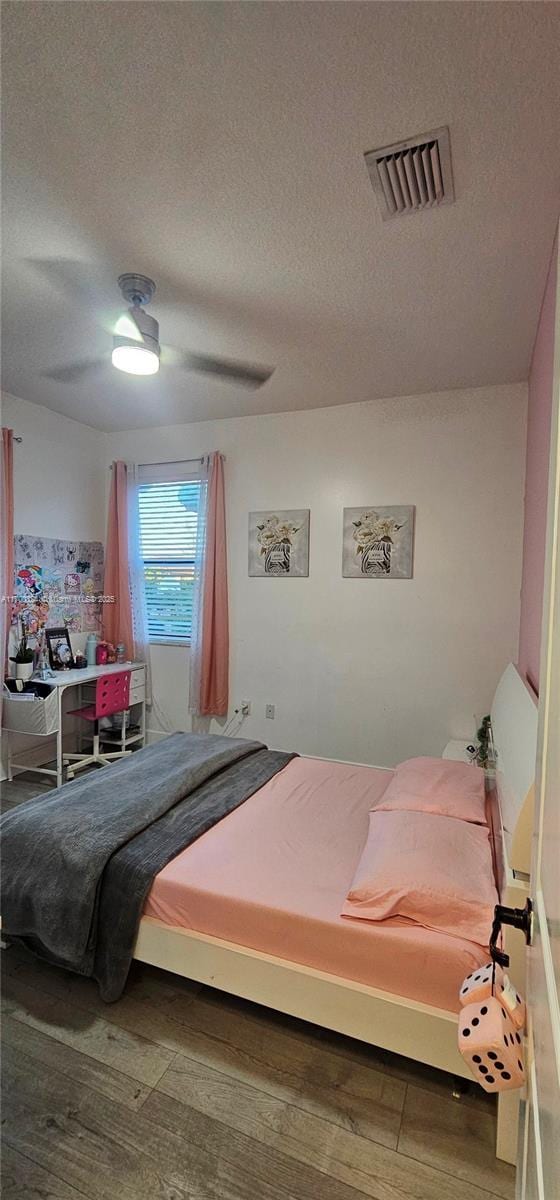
x=413, y=175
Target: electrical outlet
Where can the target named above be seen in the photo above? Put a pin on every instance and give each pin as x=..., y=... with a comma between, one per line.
x=269, y=711
x=245, y=708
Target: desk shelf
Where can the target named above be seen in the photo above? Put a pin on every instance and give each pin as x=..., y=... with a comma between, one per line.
x=113, y=739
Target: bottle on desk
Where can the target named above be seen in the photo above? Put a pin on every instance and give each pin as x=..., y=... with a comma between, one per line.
x=91, y=650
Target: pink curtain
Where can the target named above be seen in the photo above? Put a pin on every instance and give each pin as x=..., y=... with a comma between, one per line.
x=211, y=673
x=6, y=537
x=117, y=616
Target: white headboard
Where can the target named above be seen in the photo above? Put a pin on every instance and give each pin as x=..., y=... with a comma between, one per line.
x=514, y=735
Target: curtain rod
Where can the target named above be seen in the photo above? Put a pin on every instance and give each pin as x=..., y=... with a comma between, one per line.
x=175, y=462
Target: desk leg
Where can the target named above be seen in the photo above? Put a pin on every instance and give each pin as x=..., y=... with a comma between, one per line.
x=59, y=767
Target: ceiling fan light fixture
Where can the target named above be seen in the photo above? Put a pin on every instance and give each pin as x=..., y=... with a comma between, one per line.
x=134, y=359
x=136, y=349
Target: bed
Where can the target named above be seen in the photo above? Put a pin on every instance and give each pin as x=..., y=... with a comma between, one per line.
x=271, y=878
x=284, y=948
x=253, y=905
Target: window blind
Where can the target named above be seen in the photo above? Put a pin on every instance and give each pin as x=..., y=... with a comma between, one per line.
x=168, y=519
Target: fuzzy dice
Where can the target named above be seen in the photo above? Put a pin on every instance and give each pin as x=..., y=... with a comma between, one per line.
x=491, y=1045
x=477, y=987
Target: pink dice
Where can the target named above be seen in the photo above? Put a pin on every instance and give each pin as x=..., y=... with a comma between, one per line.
x=492, y=1045
x=477, y=987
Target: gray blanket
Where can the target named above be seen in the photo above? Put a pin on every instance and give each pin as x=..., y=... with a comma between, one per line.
x=77, y=864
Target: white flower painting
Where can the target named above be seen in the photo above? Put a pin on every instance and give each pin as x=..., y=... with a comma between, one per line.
x=279, y=543
x=377, y=543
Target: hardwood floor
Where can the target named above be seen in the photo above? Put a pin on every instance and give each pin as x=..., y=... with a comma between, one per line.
x=23, y=787
x=179, y=1092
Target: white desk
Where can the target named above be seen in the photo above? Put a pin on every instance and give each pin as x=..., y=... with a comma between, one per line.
x=60, y=681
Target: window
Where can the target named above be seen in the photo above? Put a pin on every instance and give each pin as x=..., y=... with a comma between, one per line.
x=168, y=517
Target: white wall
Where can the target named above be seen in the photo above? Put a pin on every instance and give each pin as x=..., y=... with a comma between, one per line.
x=59, y=473
x=372, y=671
x=60, y=476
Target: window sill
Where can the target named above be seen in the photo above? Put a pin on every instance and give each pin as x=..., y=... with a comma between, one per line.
x=170, y=641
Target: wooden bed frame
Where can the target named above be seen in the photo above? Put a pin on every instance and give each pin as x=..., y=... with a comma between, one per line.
x=379, y=1018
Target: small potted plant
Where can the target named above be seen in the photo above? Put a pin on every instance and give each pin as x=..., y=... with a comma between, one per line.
x=24, y=656
x=483, y=738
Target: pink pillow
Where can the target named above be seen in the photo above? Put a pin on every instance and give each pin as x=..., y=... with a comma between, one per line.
x=436, y=871
x=437, y=785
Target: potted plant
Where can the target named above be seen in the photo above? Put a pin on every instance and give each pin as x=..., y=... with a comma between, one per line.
x=483, y=738
x=24, y=656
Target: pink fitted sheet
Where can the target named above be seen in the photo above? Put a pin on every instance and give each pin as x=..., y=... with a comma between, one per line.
x=274, y=874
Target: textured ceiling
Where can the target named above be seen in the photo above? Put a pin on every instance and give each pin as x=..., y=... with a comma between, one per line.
x=219, y=149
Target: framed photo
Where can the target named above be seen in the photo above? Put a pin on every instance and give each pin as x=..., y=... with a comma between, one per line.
x=60, y=649
x=279, y=543
x=377, y=543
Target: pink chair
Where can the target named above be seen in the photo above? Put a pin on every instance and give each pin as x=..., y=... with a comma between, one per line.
x=111, y=696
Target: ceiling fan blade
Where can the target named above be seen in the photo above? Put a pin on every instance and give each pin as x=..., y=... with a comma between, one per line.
x=80, y=283
x=72, y=372
x=226, y=368
x=74, y=279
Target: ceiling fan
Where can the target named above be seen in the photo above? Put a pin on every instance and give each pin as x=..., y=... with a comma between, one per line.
x=136, y=346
